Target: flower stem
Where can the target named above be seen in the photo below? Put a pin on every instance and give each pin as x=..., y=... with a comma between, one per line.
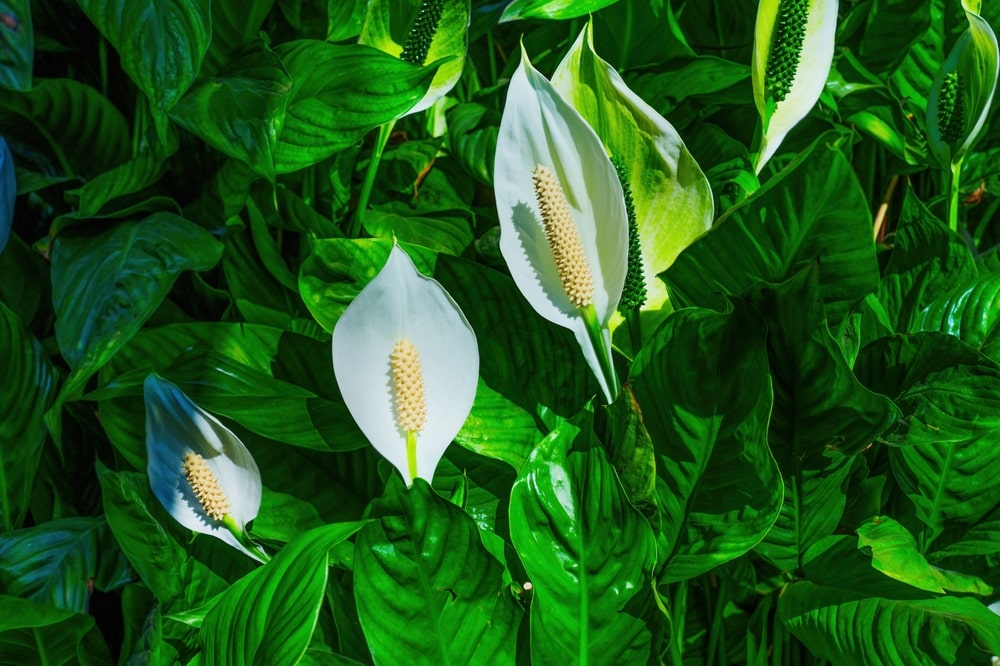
x=953, y=191
x=598, y=342
x=411, y=454
x=357, y=223
x=230, y=524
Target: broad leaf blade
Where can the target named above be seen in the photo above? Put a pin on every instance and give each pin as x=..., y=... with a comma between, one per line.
x=269, y=615
x=588, y=553
x=428, y=591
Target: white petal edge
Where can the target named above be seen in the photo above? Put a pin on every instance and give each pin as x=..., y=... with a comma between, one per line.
x=176, y=426
x=400, y=302
x=810, y=77
x=539, y=127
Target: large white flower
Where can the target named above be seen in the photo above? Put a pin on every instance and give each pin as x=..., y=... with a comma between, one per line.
x=563, y=224
x=199, y=470
x=407, y=363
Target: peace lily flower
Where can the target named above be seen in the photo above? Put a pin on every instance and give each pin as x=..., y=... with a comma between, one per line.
x=563, y=224
x=792, y=54
x=198, y=469
x=407, y=363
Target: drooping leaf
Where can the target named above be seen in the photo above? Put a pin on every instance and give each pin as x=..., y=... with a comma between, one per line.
x=338, y=94
x=703, y=388
x=105, y=287
x=588, y=553
x=812, y=210
x=428, y=591
x=268, y=616
x=551, y=9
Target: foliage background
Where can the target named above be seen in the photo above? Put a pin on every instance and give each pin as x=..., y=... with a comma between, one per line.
x=804, y=468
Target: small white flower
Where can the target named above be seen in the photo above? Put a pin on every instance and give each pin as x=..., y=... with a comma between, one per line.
x=198, y=469
x=563, y=225
x=801, y=92
x=407, y=363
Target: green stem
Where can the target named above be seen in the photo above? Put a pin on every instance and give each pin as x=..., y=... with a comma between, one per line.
x=358, y=222
x=678, y=613
x=596, y=335
x=634, y=323
x=411, y=453
x=230, y=524
x=956, y=177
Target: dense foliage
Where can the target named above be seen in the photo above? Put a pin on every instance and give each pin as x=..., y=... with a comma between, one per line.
x=781, y=446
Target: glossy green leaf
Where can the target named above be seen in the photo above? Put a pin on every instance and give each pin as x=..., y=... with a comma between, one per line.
x=812, y=210
x=703, y=388
x=428, y=591
x=158, y=548
x=948, y=463
x=127, y=178
x=588, y=553
x=240, y=110
x=472, y=138
x=927, y=261
x=34, y=633
x=161, y=45
x=970, y=312
x=75, y=129
x=442, y=232
x=551, y=9
x=105, y=287
x=850, y=628
x=448, y=44
x=17, y=58
x=269, y=615
x=338, y=94
x=894, y=552
x=56, y=562
x=673, y=200
x=25, y=394
x=344, y=19
x=822, y=415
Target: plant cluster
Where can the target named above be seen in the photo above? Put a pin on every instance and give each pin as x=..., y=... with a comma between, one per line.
x=534, y=332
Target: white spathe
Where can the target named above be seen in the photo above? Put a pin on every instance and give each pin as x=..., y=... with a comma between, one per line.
x=176, y=426
x=401, y=303
x=539, y=127
x=810, y=77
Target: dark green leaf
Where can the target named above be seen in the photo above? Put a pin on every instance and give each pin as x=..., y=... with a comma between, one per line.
x=970, y=312
x=25, y=393
x=127, y=178
x=704, y=392
x=105, y=287
x=339, y=93
x=161, y=44
x=56, y=562
x=240, y=110
x=927, y=261
x=18, y=40
x=75, y=130
x=33, y=633
x=269, y=615
x=813, y=211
